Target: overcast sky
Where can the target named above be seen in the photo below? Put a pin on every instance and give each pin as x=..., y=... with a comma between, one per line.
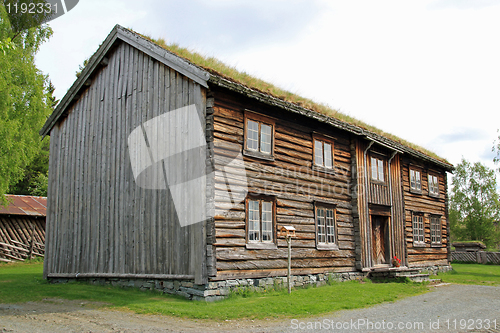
x=427, y=71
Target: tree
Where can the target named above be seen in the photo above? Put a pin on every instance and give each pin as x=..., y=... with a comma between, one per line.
x=24, y=100
x=496, y=148
x=474, y=203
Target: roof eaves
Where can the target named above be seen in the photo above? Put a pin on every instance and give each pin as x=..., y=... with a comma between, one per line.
x=175, y=62
x=356, y=130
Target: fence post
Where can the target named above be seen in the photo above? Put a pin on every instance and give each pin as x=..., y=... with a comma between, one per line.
x=32, y=241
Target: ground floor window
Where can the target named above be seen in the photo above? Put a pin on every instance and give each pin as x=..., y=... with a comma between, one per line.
x=326, y=233
x=260, y=220
x=418, y=229
x=435, y=229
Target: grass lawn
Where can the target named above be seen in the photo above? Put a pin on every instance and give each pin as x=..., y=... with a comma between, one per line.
x=23, y=283
x=472, y=274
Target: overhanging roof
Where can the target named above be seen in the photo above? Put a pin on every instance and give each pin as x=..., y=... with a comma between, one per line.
x=205, y=78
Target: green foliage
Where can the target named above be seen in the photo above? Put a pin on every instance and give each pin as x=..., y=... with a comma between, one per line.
x=472, y=274
x=474, y=204
x=24, y=283
x=496, y=149
x=24, y=100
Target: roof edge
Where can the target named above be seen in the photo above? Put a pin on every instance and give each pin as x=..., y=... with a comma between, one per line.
x=171, y=60
x=356, y=130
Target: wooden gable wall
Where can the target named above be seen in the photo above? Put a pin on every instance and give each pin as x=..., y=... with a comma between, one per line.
x=99, y=222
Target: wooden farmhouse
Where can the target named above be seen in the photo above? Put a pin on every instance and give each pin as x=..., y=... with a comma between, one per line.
x=169, y=175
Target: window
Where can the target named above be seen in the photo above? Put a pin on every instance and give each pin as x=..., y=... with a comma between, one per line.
x=259, y=136
x=377, y=166
x=326, y=237
x=418, y=230
x=260, y=219
x=415, y=181
x=435, y=230
x=433, y=186
x=323, y=154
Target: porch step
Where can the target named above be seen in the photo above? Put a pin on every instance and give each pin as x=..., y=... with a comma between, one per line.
x=393, y=273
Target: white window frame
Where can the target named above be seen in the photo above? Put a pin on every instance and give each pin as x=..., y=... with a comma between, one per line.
x=265, y=136
x=418, y=229
x=325, y=154
x=433, y=185
x=415, y=180
x=436, y=230
x=377, y=169
x=260, y=221
x=326, y=227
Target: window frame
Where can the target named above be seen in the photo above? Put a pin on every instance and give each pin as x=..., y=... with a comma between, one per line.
x=418, y=233
x=430, y=176
x=260, y=120
x=379, y=160
x=260, y=244
x=435, y=221
x=328, y=246
x=415, y=189
x=323, y=139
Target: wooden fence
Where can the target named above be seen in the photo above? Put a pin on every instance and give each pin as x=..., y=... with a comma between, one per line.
x=21, y=237
x=481, y=257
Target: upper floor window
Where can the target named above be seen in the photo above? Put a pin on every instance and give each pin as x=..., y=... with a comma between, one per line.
x=260, y=221
x=323, y=153
x=326, y=236
x=259, y=135
x=435, y=230
x=433, y=185
x=415, y=180
x=377, y=167
x=418, y=230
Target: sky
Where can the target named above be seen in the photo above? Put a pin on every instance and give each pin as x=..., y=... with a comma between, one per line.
x=426, y=71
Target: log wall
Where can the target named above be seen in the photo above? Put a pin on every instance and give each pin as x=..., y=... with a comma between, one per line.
x=422, y=203
x=21, y=236
x=295, y=184
x=98, y=220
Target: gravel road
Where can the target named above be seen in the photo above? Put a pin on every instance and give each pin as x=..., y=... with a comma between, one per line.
x=448, y=308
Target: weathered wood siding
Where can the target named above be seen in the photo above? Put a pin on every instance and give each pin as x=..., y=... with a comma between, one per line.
x=388, y=195
x=99, y=221
x=426, y=205
x=291, y=178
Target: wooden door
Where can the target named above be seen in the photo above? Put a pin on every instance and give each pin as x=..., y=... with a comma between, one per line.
x=380, y=246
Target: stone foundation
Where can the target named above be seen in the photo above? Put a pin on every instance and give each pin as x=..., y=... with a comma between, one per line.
x=216, y=290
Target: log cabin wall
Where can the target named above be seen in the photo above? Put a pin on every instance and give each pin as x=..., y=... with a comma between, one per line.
x=424, y=204
x=294, y=185
x=377, y=198
x=99, y=221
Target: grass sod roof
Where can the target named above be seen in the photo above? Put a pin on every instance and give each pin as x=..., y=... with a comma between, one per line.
x=217, y=67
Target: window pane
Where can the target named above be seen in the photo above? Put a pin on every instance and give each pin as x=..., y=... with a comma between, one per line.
x=374, y=168
x=330, y=226
x=417, y=181
x=253, y=135
x=421, y=228
x=328, y=155
x=320, y=216
x=413, y=184
x=267, y=221
x=318, y=153
x=380, y=170
x=265, y=138
x=253, y=221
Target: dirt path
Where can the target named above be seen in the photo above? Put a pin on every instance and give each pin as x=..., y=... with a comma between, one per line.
x=445, y=305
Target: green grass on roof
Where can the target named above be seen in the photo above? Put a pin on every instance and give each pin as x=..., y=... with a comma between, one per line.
x=217, y=67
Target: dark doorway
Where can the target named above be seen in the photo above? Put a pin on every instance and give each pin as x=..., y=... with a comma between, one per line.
x=380, y=240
